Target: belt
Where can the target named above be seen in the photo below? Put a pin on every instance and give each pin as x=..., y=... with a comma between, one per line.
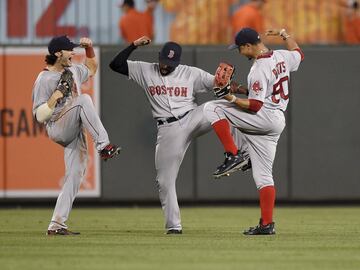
x=171, y=119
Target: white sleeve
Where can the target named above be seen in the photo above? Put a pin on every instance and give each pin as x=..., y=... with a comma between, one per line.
x=42, y=91
x=257, y=84
x=137, y=69
x=43, y=113
x=82, y=71
x=203, y=81
x=293, y=59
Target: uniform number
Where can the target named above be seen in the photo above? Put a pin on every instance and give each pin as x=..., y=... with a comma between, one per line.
x=281, y=90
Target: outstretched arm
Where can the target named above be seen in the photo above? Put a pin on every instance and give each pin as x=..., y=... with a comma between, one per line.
x=119, y=63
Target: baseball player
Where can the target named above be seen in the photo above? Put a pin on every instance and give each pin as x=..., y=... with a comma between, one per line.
x=170, y=88
x=59, y=104
x=260, y=117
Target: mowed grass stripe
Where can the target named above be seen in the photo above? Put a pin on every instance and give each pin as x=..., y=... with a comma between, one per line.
x=133, y=238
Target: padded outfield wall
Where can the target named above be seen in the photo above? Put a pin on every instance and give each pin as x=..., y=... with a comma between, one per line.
x=317, y=157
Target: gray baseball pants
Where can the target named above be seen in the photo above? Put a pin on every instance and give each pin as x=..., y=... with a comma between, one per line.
x=260, y=131
x=173, y=140
x=68, y=131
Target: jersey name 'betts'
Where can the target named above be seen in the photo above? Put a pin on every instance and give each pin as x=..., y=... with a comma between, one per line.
x=170, y=95
x=268, y=79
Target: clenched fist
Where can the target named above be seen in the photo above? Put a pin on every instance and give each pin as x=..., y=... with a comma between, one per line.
x=142, y=41
x=277, y=32
x=86, y=42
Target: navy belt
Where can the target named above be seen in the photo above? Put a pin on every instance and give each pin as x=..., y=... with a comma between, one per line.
x=171, y=119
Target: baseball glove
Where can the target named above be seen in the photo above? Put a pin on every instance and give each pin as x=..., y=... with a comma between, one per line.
x=66, y=83
x=223, y=76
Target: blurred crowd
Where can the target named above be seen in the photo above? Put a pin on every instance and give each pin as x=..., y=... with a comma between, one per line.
x=217, y=21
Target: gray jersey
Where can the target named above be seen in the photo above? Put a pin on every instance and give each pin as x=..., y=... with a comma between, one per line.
x=46, y=84
x=170, y=95
x=268, y=82
x=268, y=79
x=72, y=115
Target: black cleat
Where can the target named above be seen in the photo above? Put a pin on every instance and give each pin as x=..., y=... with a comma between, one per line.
x=247, y=166
x=231, y=164
x=61, y=231
x=261, y=229
x=173, y=231
x=109, y=151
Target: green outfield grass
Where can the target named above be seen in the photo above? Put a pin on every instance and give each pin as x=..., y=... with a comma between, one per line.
x=133, y=238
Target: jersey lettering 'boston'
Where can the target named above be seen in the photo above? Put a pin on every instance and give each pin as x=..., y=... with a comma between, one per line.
x=170, y=89
x=166, y=90
x=279, y=68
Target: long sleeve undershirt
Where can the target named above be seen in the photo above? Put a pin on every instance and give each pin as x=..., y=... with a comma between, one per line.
x=119, y=63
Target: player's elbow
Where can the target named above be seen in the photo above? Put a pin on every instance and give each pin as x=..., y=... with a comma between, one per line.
x=113, y=66
x=119, y=68
x=301, y=53
x=255, y=105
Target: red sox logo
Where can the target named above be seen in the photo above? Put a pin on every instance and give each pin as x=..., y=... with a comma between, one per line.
x=256, y=87
x=171, y=54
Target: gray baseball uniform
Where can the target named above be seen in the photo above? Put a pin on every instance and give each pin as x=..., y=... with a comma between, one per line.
x=172, y=96
x=267, y=82
x=66, y=127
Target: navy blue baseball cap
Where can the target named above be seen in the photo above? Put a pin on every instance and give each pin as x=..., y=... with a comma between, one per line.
x=170, y=54
x=57, y=44
x=244, y=36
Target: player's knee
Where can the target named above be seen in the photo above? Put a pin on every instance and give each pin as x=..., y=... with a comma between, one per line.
x=164, y=184
x=209, y=110
x=208, y=107
x=74, y=179
x=85, y=99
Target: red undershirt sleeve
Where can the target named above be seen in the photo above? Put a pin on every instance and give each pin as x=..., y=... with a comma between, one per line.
x=301, y=53
x=255, y=105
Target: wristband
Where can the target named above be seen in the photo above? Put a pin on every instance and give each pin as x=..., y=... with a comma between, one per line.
x=233, y=99
x=43, y=113
x=89, y=52
x=284, y=35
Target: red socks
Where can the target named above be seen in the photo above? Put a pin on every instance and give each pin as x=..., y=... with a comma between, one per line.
x=222, y=130
x=267, y=202
x=267, y=194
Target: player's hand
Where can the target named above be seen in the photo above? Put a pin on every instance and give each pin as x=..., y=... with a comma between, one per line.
x=273, y=32
x=237, y=88
x=57, y=95
x=277, y=32
x=142, y=41
x=86, y=42
x=234, y=87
